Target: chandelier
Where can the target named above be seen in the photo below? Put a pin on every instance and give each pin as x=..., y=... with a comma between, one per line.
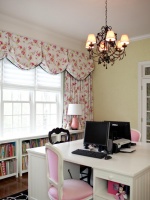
x=108, y=49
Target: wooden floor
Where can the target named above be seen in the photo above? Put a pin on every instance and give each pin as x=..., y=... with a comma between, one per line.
x=13, y=185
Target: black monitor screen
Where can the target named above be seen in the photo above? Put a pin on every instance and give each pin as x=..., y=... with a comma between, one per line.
x=119, y=130
x=96, y=133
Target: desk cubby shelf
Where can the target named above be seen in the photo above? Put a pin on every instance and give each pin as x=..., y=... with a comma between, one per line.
x=8, y=159
x=102, y=193
x=101, y=185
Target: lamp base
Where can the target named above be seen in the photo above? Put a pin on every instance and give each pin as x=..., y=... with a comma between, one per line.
x=74, y=123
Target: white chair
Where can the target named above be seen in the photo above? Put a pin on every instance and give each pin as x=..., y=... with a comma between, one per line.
x=60, y=189
x=135, y=135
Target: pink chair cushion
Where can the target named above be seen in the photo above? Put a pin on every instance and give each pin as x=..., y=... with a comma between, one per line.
x=72, y=190
x=53, y=164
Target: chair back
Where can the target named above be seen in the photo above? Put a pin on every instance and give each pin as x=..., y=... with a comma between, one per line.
x=135, y=135
x=54, y=164
x=58, y=131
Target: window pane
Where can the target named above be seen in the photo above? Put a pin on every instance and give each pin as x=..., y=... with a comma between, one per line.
x=16, y=121
x=53, y=97
x=53, y=120
x=25, y=108
x=48, y=121
x=45, y=96
x=147, y=70
x=53, y=109
x=39, y=108
x=7, y=95
x=8, y=122
x=25, y=96
x=39, y=120
x=16, y=95
x=16, y=108
x=46, y=108
x=7, y=108
x=26, y=121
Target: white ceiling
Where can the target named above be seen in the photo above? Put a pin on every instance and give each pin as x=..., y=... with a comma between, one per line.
x=77, y=18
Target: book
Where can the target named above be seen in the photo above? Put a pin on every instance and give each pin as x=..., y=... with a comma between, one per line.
x=3, y=164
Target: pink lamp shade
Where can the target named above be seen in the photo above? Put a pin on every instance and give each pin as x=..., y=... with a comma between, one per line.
x=75, y=109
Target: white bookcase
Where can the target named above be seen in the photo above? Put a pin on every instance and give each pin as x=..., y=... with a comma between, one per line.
x=20, y=157
x=8, y=158
x=27, y=143
x=36, y=141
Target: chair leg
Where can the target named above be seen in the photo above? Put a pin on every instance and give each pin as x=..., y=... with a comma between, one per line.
x=89, y=175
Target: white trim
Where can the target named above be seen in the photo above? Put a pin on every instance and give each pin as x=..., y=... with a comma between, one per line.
x=140, y=93
x=142, y=37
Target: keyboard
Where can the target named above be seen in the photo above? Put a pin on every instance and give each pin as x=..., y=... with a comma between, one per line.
x=93, y=154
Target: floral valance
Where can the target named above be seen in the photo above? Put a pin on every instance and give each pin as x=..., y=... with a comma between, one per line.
x=55, y=58
x=79, y=65
x=24, y=52
x=27, y=53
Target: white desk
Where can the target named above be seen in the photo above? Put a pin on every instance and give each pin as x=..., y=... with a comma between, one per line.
x=132, y=169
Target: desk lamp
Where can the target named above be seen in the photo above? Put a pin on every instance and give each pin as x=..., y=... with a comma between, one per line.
x=75, y=109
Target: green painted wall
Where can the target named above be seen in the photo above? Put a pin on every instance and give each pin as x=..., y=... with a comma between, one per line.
x=116, y=89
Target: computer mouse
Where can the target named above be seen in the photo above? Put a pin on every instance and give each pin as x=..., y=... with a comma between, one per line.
x=107, y=157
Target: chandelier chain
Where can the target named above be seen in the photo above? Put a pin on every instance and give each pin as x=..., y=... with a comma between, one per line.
x=106, y=12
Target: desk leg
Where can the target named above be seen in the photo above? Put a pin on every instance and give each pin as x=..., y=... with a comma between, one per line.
x=37, y=179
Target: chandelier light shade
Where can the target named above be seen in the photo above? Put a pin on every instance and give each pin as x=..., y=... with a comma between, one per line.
x=75, y=109
x=108, y=49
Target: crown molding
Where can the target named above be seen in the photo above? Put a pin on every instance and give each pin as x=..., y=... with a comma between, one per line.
x=142, y=37
x=35, y=32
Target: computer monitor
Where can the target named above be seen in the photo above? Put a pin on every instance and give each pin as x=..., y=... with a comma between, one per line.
x=96, y=133
x=119, y=129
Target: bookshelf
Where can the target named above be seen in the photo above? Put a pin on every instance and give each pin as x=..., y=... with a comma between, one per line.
x=37, y=141
x=13, y=151
x=8, y=158
x=27, y=143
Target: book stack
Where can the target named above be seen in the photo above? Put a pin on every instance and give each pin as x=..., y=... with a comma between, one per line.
x=7, y=167
x=7, y=150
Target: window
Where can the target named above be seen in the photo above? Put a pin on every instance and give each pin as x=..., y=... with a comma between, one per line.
x=31, y=100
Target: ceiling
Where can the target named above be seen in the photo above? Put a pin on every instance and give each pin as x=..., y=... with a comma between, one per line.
x=77, y=18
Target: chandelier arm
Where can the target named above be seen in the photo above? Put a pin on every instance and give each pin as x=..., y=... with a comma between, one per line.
x=118, y=54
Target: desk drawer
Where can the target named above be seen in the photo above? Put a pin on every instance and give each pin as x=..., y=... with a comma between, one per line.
x=113, y=177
